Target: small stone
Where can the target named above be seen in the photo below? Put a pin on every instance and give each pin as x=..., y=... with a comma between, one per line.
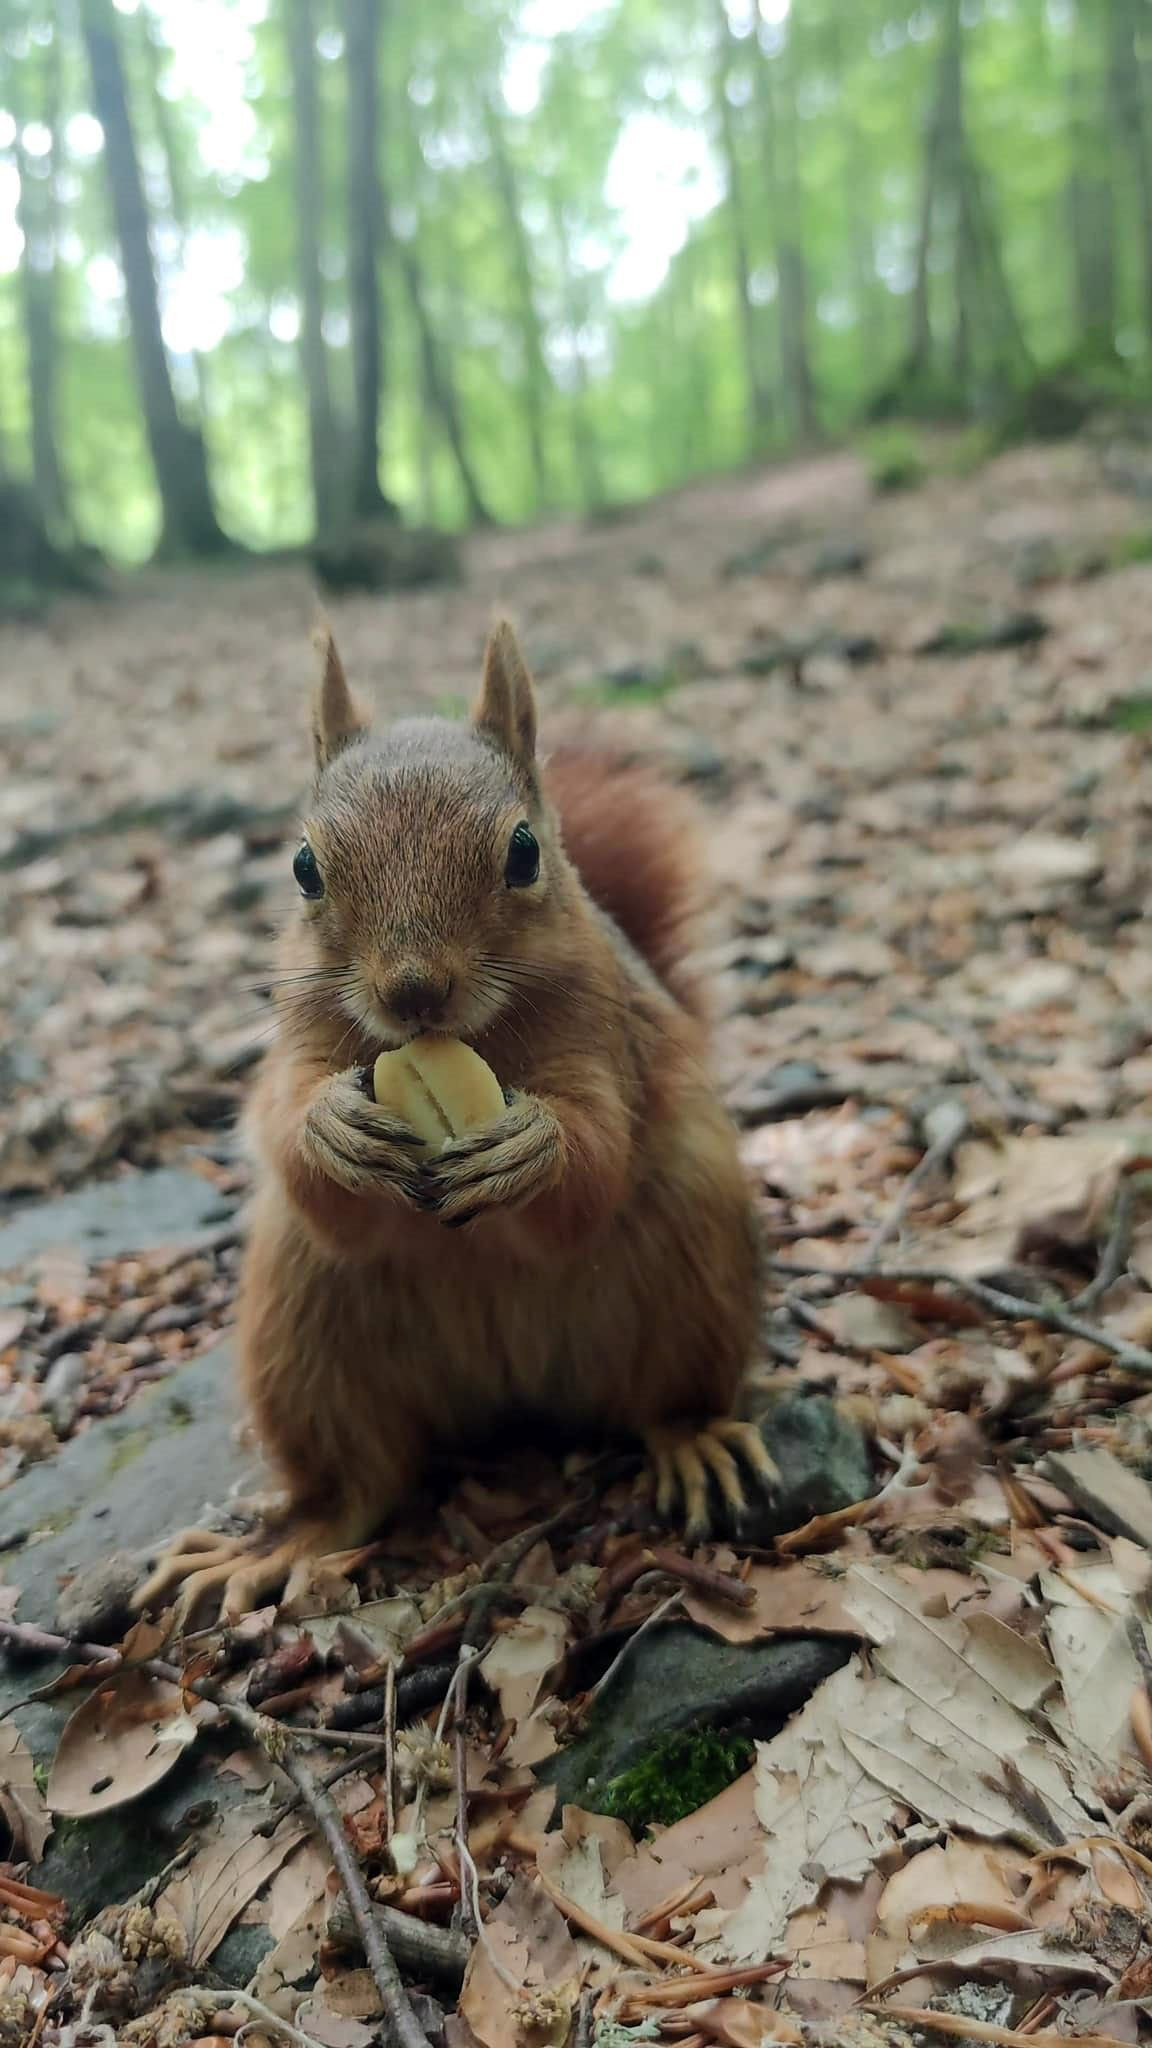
x=870, y=1325
x=95, y=1605
x=1049, y=857
x=839, y=558
x=62, y=1380
x=852, y=957
x=1039, y=985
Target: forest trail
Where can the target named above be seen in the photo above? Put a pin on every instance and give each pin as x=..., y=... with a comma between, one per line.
x=920, y=725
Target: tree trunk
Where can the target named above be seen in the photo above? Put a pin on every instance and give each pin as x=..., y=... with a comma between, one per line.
x=37, y=216
x=1088, y=194
x=1128, y=101
x=177, y=196
x=365, y=233
x=585, y=448
x=440, y=388
x=758, y=397
x=785, y=201
x=178, y=455
x=534, y=367
x=308, y=173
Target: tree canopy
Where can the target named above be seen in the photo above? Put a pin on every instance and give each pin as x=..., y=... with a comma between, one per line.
x=270, y=266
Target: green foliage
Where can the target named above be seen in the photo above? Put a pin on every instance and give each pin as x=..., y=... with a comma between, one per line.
x=1132, y=547
x=678, y=1775
x=1132, y=713
x=895, y=459
x=631, y=249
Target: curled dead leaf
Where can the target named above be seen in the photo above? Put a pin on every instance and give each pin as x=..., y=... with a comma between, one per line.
x=118, y=1744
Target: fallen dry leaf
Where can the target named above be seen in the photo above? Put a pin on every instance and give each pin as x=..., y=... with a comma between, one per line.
x=119, y=1743
x=521, y=1658
x=226, y=1872
x=21, y=1801
x=537, y=1953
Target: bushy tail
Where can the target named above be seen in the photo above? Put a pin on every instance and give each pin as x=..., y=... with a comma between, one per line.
x=634, y=841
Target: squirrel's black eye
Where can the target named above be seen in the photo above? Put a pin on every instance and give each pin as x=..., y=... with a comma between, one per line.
x=307, y=873
x=523, y=863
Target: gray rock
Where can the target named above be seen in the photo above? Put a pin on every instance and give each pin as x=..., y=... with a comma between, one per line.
x=822, y=1458
x=133, y=1213
x=680, y=1677
x=123, y=1485
x=95, y=1606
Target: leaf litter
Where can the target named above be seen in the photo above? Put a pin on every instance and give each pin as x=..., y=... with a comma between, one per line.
x=919, y=932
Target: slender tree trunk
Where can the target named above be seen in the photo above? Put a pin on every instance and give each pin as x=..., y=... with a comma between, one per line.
x=178, y=453
x=758, y=396
x=362, y=22
x=177, y=195
x=585, y=447
x=534, y=367
x=920, y=340
x=1088, y=194
x=1128, y=99
x=308, y=171
x=440, y=388
x=780, y=157
x=37, y=215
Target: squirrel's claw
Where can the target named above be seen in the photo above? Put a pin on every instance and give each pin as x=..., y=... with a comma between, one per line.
x=688, y=1460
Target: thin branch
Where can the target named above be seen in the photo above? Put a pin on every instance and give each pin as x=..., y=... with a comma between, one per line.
x=952, y=1122
x=400, y=2014
x=1013, y=1308
x=282, y=1746
x=1114, y=1257
x=1021, y=1109
x=701, y=1578
x=657, y=1614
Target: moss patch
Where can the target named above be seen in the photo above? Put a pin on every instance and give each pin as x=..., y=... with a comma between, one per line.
x=677, y=1775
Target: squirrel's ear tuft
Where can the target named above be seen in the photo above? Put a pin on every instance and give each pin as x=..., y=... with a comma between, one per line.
x=338, y=717
x=505, y=710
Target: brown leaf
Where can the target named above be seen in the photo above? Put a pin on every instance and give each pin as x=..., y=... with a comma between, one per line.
x=225, y=1873
x=529, y=1998
x=119, y=1744
x=21, y=1800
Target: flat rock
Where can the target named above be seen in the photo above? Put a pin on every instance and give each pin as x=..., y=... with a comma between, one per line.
x=821, y=1457
x=133, y=1213
x=122, y=1485
x=1115, y=1496
x=679, y=1677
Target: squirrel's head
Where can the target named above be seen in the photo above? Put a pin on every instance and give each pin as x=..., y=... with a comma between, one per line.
x=428, y=857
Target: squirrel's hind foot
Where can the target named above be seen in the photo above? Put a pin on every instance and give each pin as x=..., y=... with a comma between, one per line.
x=240, y=1568
x=689, y=1460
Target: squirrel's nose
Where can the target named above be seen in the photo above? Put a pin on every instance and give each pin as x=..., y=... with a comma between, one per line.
x=419, y=998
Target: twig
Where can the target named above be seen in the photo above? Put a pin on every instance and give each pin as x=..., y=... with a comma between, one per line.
x=582, y=2030
x=1022, y=1109
x=419, y=1944
x=280, y=1745
x=220, y=2001
x=1114, y=1257
x=469, y=1892
x=400, y=2013
x=657, y=1614
x=360, y=1761
x=1133, y=1358
x=702, y=1578
x=637, y=1949
x=390, y=1750
x=952, y=1122
x=958, y=2027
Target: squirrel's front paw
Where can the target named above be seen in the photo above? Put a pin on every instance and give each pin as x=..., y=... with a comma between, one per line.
x=362, y=1148
x=518, y=1157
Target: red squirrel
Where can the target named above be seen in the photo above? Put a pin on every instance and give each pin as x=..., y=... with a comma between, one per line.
x=592, y=1255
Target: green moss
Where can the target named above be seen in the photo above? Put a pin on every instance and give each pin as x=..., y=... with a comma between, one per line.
x=127, y=1450
x=1131, y=714
x=1132, y=547
x=895, y=459
x=677, y=1775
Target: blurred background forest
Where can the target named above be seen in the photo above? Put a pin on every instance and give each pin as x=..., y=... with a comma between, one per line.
x=269, y=268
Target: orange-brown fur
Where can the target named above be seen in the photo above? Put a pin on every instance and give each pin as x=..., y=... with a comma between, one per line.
x=608, y=1277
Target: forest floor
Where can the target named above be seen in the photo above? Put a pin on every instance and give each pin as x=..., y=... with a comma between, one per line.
x=921, y=728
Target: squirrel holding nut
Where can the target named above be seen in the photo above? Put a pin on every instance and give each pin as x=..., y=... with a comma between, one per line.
x=589, y=1254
